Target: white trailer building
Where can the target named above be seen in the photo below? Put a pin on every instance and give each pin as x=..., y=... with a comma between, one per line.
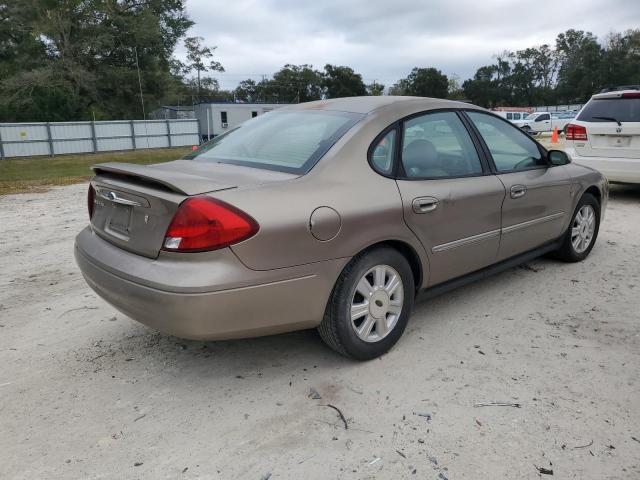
x=217, y=118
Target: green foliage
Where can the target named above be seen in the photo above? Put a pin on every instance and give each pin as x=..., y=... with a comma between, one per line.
x=78, y=60
x=375, y=89
x=423, y=82
x=199, y=57
x=342, y=82
x=571, y=72
x=302, y=83
x=73, y=59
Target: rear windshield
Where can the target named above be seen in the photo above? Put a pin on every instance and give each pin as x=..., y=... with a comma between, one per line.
x=285, y=141
x=622, y=109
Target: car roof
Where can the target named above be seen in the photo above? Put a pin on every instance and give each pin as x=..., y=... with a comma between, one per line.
x=614, y=93
x=368, y=104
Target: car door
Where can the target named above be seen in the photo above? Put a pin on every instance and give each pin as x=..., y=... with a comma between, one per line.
x=542, y=123
x=538, y=195
x=450, y=200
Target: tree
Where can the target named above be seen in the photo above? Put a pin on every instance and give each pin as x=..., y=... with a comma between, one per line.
x=423, y=82
x=73, y=59
x=294, y=84
x=621, y=59
x=342, y=82
x=580, y=65
x=247, y=91
x=454, y=89
x=375, y=89
x=199, y=59
x=483, y=88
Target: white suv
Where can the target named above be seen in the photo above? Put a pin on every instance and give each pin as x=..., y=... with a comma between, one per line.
x=606, y=135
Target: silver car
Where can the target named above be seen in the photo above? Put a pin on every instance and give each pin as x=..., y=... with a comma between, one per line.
x=331, y=215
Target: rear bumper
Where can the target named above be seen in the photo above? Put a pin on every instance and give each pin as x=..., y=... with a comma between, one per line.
x=626, y=170
x=229, y=300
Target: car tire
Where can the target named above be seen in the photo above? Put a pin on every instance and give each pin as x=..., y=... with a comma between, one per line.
x=384, y=314
x=581, y=235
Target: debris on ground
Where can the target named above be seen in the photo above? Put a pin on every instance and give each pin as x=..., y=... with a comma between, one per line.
x=585, y=446
x=401, y=454
x=313, y=394
x=544, y=471
x=529, y=268
x=342, y=417
x=498, y=404
x=375, y=460
x=424, y=414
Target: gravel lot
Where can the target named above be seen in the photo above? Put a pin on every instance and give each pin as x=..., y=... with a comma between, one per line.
x=87, y=393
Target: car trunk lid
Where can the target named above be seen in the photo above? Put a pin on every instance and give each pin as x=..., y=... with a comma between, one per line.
x=133, y=205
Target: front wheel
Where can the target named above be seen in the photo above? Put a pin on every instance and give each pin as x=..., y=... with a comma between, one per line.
x=582, y=232
x=370, y=304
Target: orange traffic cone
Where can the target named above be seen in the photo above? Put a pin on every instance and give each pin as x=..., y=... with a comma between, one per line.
x=554, y=135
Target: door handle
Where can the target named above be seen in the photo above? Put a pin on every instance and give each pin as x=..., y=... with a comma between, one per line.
x=424, y=204
x=518, y=191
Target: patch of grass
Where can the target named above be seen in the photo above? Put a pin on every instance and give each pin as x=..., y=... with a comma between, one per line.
x=37, y=174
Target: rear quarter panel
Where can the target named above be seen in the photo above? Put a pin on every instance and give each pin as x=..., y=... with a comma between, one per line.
x=369, y=206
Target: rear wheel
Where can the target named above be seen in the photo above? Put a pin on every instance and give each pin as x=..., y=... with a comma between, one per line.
x=370, y=304
x=582, y=232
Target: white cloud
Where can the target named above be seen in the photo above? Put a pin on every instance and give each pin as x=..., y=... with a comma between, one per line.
x=384, y=40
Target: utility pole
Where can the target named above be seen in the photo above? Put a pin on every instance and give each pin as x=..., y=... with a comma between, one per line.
x=144, y=115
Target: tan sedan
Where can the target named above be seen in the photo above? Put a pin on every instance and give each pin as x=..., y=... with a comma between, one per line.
x=331, y=215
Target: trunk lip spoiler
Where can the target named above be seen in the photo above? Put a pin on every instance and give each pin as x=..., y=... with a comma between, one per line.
x=183, y=183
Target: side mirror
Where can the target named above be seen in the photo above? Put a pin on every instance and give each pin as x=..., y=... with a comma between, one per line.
x=558, y=157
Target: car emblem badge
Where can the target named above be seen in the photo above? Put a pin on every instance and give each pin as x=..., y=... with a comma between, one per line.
x=112, y=195
x=618, y=129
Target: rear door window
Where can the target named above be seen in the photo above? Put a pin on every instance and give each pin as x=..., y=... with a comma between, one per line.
x=606, y=109
x=437, y=145
x=383, y=153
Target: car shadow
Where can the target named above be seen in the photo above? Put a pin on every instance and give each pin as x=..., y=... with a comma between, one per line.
x=624, y=192
x=300, y=351
x=132, y=348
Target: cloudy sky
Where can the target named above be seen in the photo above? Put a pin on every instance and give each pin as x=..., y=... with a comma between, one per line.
x=383, y=40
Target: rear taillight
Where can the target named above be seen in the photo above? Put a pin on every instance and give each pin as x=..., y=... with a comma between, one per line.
x=91, y=194
x=203, y=223
x=631, y=95
x=575, y=132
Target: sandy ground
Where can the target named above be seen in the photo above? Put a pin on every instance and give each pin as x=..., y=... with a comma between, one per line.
x=87, y=393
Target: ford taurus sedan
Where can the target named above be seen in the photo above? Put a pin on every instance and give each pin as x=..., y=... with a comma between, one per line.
x=331, y=215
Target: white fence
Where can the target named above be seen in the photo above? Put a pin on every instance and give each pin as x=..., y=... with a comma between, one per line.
x=30, y=139
x=558, y=108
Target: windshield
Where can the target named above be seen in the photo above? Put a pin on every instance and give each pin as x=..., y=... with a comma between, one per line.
x=605, y=109
x=285, y=141
x=531, y=116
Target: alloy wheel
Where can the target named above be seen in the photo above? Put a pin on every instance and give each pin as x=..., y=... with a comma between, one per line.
x=377, y=303
x=583, y=228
